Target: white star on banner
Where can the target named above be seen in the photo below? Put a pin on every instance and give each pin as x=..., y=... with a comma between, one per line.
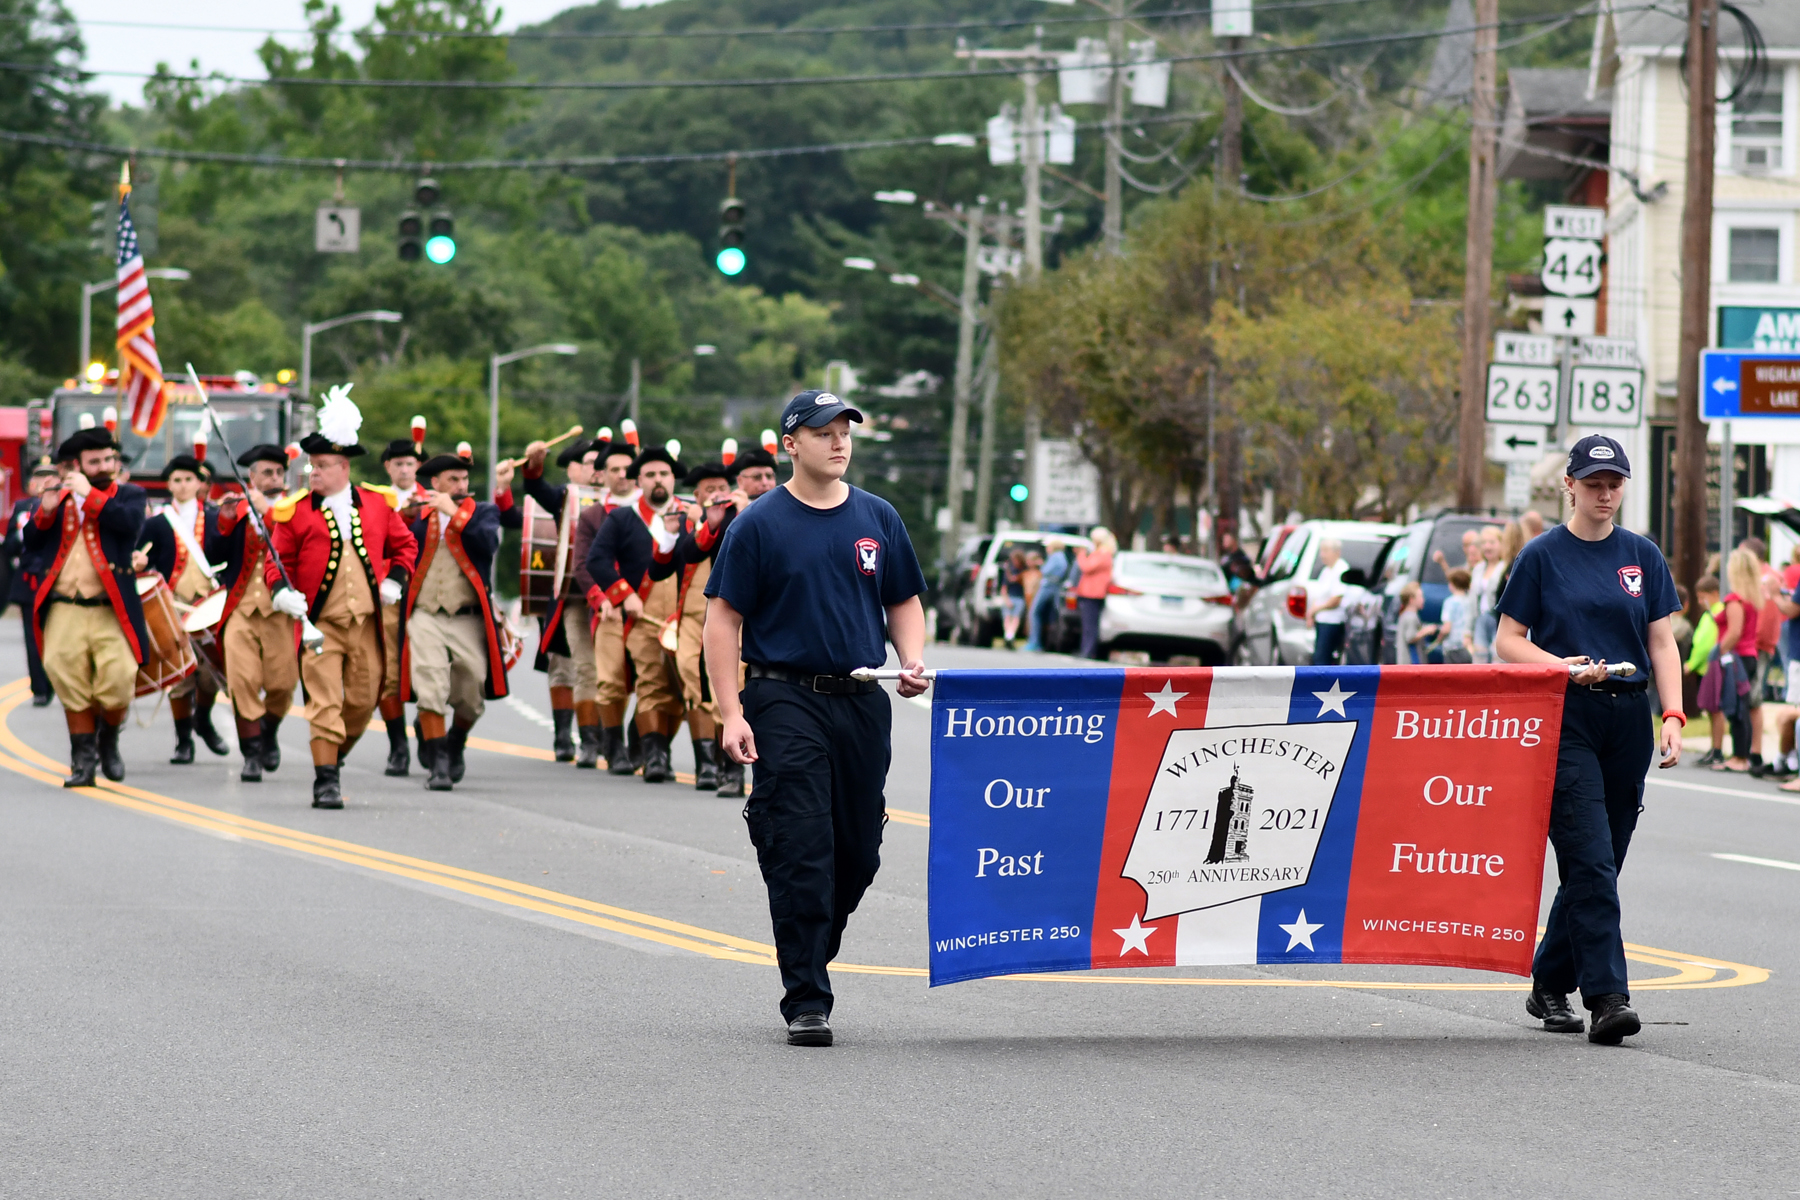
x=1164, y=701
x=1136, y=938
x=1333, y=701
x=1300, y=932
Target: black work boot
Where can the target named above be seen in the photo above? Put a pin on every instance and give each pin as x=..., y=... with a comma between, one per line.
x=184, y=740
x=564, y=720
x=1614, y=1019
x=435, y=757
x=656, y=758
x=203, y=725
x=251, y=748
x=399, y=757
x=325, y=787
x=271, y=747
x=1553, y=1009
x=84, y=760
x=457, y=738
x=618, y=758
x=587, y=755
x=111, y=765
x=706, y=767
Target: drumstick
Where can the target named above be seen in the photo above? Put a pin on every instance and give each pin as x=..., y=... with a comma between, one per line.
x=573, y=431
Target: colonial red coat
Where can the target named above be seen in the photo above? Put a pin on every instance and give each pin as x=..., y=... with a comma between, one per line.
x=303, y=541
x=471, y=539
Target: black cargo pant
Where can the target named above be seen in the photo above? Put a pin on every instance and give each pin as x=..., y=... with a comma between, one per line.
x=1607, y=744
x=815, y=815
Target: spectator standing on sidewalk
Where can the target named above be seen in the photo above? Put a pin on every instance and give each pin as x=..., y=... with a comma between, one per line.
x=1703, y=663
x=1413, y=631
x=1737, y=658
x=1049, y=593
x=1095, y=567
x=1454, y=640
x=1012, y=599
x=1325, y=604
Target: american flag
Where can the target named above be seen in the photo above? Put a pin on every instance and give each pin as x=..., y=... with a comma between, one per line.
x=140, y=370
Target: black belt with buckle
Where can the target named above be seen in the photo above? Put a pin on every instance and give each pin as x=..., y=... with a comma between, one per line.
x=82, y=601
x=826, y=685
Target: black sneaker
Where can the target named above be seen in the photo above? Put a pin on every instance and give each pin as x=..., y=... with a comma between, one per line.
x=1709, y=758
x=811, y=1029
x=1614, y=1020
x=1553, y=1009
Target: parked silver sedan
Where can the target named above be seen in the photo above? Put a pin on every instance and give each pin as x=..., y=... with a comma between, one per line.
x=1167, y=604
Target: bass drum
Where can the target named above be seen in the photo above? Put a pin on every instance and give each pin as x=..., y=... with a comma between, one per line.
x=169, y=658
x=537, y=561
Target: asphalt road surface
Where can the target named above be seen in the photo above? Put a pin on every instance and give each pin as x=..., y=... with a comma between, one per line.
x=552, y=983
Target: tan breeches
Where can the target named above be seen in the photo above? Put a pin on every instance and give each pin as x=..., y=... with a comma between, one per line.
x=609, y=661
x=576, y=670
x=449, y=663
x=260, y=664
x=657, y=692
x=342, y=682
x=87, y=657
x=390, y=632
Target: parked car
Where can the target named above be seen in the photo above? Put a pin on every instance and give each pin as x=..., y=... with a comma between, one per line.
x=1166, y=604
x=1272, y=624
x=969, y=594
x=1413, y=559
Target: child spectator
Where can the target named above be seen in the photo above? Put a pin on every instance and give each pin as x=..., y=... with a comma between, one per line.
x=1703, y=662
x=1456, y=639
x=1412, y=632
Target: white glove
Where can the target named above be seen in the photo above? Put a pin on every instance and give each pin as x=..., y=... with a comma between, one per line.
x=391, y=591
x=288, y=601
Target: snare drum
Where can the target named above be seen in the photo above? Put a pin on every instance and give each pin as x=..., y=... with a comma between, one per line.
x=205, y=612
x=169, y=658
x=537, y=561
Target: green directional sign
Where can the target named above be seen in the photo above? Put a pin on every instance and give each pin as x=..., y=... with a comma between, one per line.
x=1776, y=329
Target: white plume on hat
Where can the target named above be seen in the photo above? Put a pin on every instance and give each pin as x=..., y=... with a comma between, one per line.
x=339, y=418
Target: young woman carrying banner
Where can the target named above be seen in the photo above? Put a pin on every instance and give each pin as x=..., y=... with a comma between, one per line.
x=1589, y=593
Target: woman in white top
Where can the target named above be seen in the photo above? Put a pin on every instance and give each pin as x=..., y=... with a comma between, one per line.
x=1484, y=590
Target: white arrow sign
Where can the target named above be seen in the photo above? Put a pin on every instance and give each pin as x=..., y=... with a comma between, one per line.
x=1723, y=385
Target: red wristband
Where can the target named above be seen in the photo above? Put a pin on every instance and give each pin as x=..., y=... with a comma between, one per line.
x=1676, y=715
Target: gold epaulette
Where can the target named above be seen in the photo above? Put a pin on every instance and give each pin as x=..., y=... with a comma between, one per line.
x=283, y=509
x=391, y=493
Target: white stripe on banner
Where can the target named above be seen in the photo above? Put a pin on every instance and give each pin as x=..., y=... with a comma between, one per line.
x=1227, y=934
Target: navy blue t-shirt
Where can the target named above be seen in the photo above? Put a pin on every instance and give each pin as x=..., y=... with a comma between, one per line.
x=1592, y=598
x=813, y=584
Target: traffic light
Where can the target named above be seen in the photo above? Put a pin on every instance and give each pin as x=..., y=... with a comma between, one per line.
x=731, y=259
x=432, y=238
x=440, y=247
x=412, y=232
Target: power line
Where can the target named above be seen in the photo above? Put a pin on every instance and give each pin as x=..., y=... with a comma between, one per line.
x=612, y=85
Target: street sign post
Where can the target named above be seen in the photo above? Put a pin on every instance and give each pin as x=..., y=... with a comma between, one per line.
x=1508, y=443
x=1517, y=393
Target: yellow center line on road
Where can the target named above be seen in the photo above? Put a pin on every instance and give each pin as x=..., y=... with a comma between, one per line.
x=1690, y=971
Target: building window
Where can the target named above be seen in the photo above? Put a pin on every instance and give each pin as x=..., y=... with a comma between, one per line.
x=1755, y=256
x=1756, y=129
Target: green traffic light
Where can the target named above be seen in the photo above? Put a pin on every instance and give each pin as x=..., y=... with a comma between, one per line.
x=731, y=260
x=440, y=249
x=1019, y=492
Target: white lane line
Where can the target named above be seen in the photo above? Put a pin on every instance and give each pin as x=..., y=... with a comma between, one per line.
x=1773, y=797
x=529, y=713
x=1759, y=862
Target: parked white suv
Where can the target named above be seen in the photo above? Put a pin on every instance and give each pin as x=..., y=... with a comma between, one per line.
x=1273, y=621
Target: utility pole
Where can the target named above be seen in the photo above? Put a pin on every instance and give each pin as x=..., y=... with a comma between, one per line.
x=631, y=396
x=1696, y=292
x=990, y=393
x=1112, y=228
x=1228, y=170
x=965, y=371
x=1478, y=267
x=1031, y=159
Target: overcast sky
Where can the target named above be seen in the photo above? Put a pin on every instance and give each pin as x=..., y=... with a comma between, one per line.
x=119, y=48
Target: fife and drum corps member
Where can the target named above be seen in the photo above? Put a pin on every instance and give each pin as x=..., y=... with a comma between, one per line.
x=563, y=639
x=19, y=584
x=400, y=459
x=612, y=668
x=177, y=536
x=814, y=579
x=349, y=553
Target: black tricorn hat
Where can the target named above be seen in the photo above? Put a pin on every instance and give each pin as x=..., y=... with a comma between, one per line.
x=85, y=439
x=650, y=454
x=430, y=468
x=263, y=452
x=184, y=462
x=400, y=448
x=573, y=452
x=608, y=449
x=318, y=443
x=705, y=470
x=756, y=456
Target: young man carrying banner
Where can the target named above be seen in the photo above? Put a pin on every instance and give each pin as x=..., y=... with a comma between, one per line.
x=814, y=579
x=86, y=616
x=1591, y=593
x=260, y=668
x=453, y=660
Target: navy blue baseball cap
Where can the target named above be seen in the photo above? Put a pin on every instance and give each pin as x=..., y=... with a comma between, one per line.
x=1597, y=452
x=815, y=408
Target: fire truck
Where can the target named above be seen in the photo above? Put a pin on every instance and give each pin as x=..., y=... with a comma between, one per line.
x=250, y=410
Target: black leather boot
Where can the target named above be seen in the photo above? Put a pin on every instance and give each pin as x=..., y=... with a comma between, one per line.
x=251, y=748
x=454, y=741
x=84, y=760
x=203, y=725
x=618, y=758
x=706, y=768
x=111, y=765
x=399, y=757
x=1614, y=1019
x=656, y=758
x=587, y=754
x=271, y=747
x=435, y=756
x=731, y=775
x=1552, y=1008
x=564, y=720
x=325, y=787
x=184, y=740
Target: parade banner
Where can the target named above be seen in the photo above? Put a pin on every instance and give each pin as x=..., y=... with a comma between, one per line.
x=1133, y=817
